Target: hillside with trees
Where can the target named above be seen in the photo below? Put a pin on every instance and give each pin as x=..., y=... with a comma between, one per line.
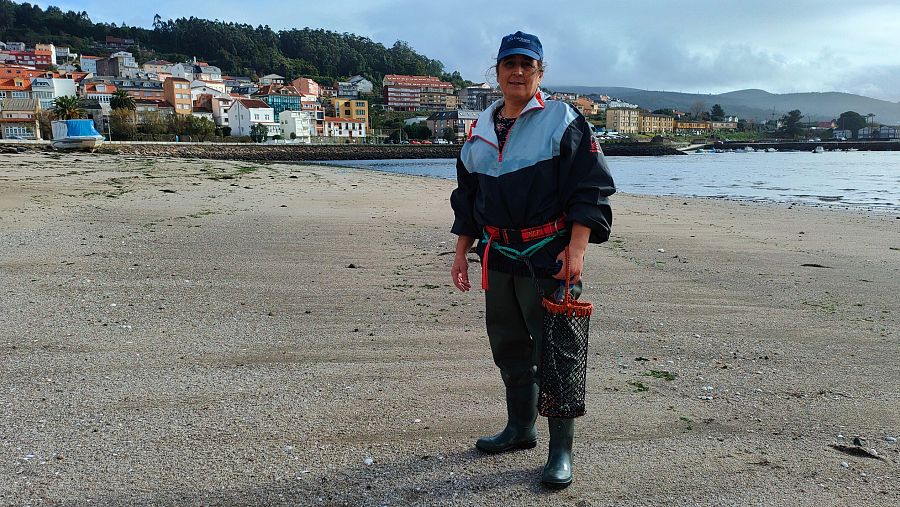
x=238, y=49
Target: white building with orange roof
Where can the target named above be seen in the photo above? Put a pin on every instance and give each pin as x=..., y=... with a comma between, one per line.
x=344, y=127
x=15, y=87
x=100, y=91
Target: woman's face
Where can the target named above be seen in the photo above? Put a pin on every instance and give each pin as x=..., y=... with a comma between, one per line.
x=519, y=77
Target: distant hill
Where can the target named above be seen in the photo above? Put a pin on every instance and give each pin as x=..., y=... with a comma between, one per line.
x=758, y=104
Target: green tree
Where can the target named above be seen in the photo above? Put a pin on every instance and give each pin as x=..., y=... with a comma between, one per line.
x=665, y=111
x=201, y=128
x=153, y=125
x=717, y=113
x=122, y=100
x=851, y=120
x=449, y=134
x=417, y=131
x=67, y=108
x=122, y=126
x=259, y=132
x=791, y=123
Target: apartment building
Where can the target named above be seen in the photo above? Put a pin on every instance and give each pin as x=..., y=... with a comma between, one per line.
x=459, y=121
x=626, y=120
x=415, y=93
x=279, y=97
x=177, y=91
x=656, y=123
x=691, y=126
x=349, y=108
x=299, y=125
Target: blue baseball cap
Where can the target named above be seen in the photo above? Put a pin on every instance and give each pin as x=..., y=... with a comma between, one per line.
x=521, y=43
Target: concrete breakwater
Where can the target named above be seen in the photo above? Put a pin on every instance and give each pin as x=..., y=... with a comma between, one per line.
x=809, y=146
x=318, y=152
x=256, y=152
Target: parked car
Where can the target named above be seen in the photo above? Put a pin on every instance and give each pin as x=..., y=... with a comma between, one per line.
x=426, y=142
x=415, y=141
x=441, y=141
x=403, y=142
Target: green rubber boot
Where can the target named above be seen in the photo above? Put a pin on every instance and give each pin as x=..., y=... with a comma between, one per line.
x=519, y=433
x=558, y=470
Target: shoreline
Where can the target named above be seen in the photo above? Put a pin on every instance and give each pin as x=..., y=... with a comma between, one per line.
x=180, y=331
x=830, y=205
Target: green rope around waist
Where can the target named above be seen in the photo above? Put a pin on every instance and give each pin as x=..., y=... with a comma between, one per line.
x=518, y=255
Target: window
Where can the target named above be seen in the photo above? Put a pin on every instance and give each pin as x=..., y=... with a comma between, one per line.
x=20, y=95
x=255, y=116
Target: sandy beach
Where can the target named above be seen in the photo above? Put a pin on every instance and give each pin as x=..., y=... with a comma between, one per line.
x=205, y=332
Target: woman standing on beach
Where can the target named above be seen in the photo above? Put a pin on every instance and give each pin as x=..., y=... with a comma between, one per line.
x=531, y=180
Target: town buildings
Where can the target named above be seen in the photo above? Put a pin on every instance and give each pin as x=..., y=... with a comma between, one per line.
x=349, y=108
x=245, y=113
x=457, y=122
x=279, y=97
x=297, y=125
x=415, y=93
x=345, y=127
x=300, y=106
x=19, y=119
x=177, y=91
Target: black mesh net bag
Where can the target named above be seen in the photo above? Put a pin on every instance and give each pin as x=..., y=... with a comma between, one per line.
x=563, y=368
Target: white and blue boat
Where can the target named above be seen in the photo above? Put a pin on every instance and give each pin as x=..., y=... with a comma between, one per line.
x=75, y=135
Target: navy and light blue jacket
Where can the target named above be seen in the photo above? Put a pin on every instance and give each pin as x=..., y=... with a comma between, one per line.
x=550, y=165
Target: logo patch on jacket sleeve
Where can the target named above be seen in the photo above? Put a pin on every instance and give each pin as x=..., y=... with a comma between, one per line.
x=474, y=122
x=594, y=147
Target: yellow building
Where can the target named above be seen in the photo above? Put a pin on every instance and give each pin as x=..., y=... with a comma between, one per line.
x=354, y=109
x=691, y=126
x=625, y=120
x=656, y=123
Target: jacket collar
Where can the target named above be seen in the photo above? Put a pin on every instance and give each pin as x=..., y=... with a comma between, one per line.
x=484, y=127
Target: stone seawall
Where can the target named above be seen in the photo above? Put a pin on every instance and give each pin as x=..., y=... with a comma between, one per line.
x=298, y=153
x=251, y=152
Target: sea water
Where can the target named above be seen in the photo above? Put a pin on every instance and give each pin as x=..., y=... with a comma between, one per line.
x=861, y=179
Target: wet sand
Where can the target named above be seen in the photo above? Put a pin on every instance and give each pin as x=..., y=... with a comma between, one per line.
x=190, y=332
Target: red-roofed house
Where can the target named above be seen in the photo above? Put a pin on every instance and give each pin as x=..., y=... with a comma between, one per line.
x=345, y=127
x=245, y=113
x=15, y=88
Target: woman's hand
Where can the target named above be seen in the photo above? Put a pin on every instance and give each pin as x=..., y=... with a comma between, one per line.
x=576, y=266
x=460, y=272
x=578, y=243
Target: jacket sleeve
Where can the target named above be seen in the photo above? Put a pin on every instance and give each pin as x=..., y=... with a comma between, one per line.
x=585, y=182
x=463, y=202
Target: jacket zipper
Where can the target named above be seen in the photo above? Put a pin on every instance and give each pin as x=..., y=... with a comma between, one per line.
x=500, y=156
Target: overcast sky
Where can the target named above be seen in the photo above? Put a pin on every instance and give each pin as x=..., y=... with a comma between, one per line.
x=706, y=46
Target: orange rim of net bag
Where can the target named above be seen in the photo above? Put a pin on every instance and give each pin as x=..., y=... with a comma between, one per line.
x=569, y=306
